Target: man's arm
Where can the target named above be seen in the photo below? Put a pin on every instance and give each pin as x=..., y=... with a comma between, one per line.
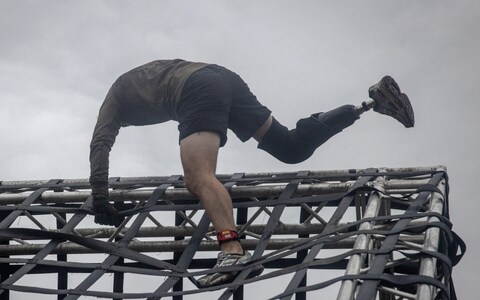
x=104, y=135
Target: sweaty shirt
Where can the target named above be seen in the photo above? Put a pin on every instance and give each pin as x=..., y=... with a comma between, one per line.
x=148, y=94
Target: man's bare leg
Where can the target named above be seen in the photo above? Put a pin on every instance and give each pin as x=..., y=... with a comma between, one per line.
x=199, y=153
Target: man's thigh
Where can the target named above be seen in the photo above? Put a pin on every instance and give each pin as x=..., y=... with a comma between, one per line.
x=199, y=152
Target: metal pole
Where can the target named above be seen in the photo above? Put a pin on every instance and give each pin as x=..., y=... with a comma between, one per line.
x=432, y=238
x=181, y=193
x=242, y=219
x=118, y=277
x=4, y=267
x=172, y=246
x=301, y=256
x=176, y=256
x=154, y=180
x=347, y=289
x=62, y=274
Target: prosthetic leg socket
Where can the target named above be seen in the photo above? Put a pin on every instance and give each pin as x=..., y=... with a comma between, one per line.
x=296, y=145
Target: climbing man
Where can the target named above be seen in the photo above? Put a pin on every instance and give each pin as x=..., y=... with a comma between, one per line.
x=206, y=100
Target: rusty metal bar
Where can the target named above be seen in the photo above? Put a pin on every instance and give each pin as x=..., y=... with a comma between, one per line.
x=182, y=193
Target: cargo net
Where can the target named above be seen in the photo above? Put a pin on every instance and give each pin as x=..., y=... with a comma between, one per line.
x=362, y=234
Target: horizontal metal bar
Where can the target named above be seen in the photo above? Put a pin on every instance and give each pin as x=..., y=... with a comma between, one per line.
x=320, y=173
x=395, y=292
x=158, y=246
x=260, y=191
x=180, y=231
x=173, y=246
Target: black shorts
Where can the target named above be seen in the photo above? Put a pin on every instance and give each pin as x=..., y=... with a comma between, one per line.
x=216, y=99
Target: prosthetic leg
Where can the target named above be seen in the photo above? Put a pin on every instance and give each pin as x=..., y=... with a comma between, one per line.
x=296, y=145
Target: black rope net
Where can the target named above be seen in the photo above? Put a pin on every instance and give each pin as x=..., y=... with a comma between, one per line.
x=351, y=234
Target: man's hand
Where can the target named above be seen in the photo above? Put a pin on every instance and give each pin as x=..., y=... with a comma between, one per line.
x=105, y=213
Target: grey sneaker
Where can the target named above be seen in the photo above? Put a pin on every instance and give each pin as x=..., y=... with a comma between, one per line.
x=226, y=260
x=390, y=101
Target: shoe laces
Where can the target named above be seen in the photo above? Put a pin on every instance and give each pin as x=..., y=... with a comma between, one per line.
x=222, y=257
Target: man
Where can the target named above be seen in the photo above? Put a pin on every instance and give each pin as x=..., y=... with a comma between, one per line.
x=206, y=100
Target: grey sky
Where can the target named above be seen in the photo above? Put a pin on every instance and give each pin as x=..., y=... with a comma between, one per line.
x=58, y=59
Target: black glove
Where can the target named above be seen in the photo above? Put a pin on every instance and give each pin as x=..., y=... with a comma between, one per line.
x=105, y=213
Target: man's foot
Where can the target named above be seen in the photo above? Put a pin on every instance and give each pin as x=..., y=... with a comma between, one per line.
x=106, y=213
x=389, y=100
x=225, y=260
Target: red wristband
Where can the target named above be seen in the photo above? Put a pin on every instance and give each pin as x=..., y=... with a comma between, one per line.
x=226, y=236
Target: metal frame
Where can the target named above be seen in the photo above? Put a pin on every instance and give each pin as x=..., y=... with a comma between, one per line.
x=382, y=224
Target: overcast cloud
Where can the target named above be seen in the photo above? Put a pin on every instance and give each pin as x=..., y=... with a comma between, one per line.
x=59, y=58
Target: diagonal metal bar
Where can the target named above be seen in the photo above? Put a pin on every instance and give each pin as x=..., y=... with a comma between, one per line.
x=182, y=215
x=119, y=229
x=190, y=216
x=263, y=209
x=269, y=228
x=35, y=221
x=131, y=232
x=59, y=218
x=189, y=252
x=252, y=219
x=329, y=228
x=313, y=213
x=317, y=210
x=69, y=226
x=369, y=287
x=26, y=203
x=186, y=257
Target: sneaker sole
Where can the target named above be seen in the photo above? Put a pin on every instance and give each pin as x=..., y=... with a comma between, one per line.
x=409, y=110
x=257, y=270
x=388, y=107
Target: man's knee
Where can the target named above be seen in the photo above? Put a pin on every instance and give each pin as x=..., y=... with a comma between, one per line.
x=196, y=182
x=199, y=157
x=192, y=183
